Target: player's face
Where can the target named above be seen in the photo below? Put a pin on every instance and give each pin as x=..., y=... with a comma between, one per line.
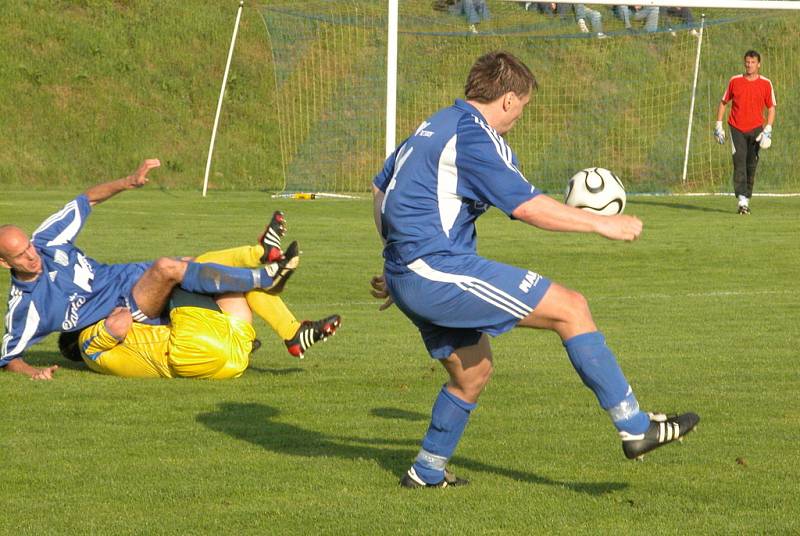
x=18, y=253
x=515, y=107
x=751, y=65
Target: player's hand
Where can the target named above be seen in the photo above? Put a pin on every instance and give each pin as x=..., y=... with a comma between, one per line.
x=719, y=133
x=139, y=177
x=621, y=227
x=765, y=138
x=379, y=291
x=45, y=373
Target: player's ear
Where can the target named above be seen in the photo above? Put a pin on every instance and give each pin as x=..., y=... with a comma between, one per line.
x=4, y=264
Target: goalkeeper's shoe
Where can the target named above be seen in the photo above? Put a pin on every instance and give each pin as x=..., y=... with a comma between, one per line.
x=663, y=429
x=412, y=480
x=310, y=333
x=744, y=209
x=283, y=269
x=270, y=239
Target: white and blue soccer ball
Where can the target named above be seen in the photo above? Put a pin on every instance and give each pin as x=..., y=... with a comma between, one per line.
x=596, y=190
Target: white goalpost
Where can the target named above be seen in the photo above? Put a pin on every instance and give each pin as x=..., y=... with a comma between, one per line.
x=351, y=76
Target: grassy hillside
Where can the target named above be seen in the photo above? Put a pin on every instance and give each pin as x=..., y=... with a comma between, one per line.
x=89, y=88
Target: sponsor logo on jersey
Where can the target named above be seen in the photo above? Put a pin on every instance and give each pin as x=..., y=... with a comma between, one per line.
x=422, y=132
x=71, y=318
x=530, y=281
x=52, y=275
x=61, y=258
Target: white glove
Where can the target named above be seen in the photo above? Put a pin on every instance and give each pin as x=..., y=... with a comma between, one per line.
x=719, y=133
x=765, y=138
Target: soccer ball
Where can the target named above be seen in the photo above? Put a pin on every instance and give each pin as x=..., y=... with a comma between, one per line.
x=596, y=190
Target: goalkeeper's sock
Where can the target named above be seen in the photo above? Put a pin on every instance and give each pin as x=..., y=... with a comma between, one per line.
x=743, y=201
x=448, y=420
x=598, y=368
x=274, y=312
x=242, y=257
x=217, y=279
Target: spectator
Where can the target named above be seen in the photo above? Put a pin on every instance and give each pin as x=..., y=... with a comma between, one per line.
x=595, y=18
x=476, y=11
x=648, y=14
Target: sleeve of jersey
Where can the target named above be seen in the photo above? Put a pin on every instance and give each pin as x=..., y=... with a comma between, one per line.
x=96, y=339
x=487, y=169
x=63, y=226
x=726, y=97
x=20, y=333
x=384, y=176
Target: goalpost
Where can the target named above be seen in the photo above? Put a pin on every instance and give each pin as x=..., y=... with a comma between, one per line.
x=642, y=104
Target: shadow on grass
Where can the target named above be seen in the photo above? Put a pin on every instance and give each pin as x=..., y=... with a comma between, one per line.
x=42, y=359
x=678, y=206
x=401, y=414
x=276, y=371
x=256, y=424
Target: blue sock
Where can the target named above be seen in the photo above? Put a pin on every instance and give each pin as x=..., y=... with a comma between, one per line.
x=209, y=278
x=448, y=420
x=598, y=368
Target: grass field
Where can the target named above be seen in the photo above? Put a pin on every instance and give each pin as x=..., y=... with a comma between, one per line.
x=702, y=313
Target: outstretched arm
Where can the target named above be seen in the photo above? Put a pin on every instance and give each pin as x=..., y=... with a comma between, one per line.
x=101, y=192
x=21, y=367
x=546, y=213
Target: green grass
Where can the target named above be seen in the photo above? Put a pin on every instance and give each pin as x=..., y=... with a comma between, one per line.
x=701, y=312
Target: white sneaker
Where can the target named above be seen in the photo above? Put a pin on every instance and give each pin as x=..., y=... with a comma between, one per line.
x=473, y=29
x=582, y=26
x=694, y=33
x=601, y=35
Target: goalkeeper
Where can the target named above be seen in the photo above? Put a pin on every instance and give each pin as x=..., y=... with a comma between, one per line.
x=750, y=93
x=208, y=337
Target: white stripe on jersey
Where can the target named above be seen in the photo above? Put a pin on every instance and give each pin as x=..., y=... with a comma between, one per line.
x=447, y=187
x=503, y=150
x=70, y=231
x=31, y=324
x=483, y=290
x=771, y=91
x=13, y=301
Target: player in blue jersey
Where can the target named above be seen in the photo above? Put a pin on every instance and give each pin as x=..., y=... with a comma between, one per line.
x=427, y=197
x=55, y=287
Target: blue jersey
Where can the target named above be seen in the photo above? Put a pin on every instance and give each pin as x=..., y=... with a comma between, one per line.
x=72, y=292
x=441, y=179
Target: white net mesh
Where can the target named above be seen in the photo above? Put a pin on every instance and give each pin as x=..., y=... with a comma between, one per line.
x=620, y=102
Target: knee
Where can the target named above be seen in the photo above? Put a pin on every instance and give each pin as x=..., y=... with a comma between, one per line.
x=577, y=307
x=169, y=268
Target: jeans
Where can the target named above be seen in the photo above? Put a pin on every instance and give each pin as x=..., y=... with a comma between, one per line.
x=648, y=14
x=583, y=12
x=475, y=10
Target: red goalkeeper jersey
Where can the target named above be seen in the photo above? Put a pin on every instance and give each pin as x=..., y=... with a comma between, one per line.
x=749, y=97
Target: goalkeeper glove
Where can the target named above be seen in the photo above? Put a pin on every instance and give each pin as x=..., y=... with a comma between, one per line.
x=765, y=138
x=719, y=133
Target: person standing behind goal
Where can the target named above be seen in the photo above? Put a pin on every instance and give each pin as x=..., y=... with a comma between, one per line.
x=750, y=93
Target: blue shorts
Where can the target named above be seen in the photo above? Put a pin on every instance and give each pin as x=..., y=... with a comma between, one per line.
x=455, y=299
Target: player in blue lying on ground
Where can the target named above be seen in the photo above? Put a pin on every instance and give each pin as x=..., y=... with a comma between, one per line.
x=427, y=198
x=55, y=287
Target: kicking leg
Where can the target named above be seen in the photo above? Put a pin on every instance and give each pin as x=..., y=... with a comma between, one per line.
x=567, y=313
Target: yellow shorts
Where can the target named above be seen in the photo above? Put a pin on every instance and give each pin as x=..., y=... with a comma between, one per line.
x=208, y=344
x=141, y=355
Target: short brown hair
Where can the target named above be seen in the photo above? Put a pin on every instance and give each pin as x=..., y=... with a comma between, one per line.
x=495, y=74
x=753, y=54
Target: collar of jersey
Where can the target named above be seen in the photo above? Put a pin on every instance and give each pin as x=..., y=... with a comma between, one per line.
x=461, y=104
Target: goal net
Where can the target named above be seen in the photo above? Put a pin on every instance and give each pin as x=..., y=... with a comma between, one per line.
x=620, y=100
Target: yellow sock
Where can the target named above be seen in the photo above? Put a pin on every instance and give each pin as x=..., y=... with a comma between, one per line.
x=274, y=312
x=241, y=257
